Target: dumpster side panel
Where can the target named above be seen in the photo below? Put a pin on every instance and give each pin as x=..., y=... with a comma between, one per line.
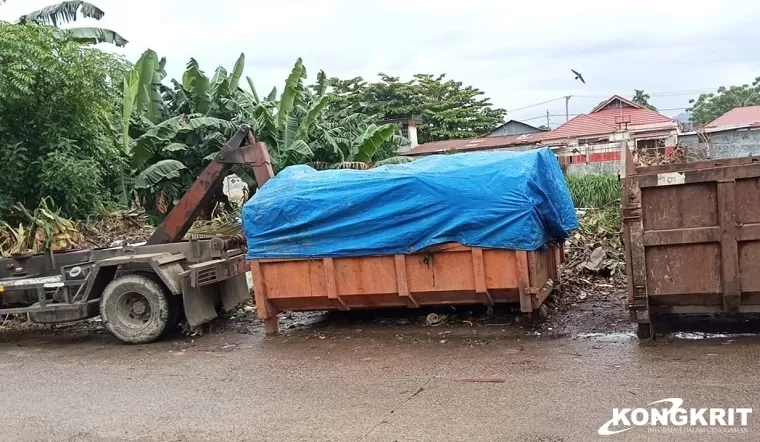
x=697, y=227
x=441, y=275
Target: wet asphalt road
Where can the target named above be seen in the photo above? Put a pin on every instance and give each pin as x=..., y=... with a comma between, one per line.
x=374, y=384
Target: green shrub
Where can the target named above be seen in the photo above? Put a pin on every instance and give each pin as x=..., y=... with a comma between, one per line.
x=57, y=102
x=594, y=190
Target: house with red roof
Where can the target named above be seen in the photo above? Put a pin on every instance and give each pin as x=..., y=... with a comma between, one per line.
x=586, y=143
x=734, y=134
x=591, y=142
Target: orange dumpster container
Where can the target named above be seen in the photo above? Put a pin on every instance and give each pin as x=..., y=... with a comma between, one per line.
x=446, y=274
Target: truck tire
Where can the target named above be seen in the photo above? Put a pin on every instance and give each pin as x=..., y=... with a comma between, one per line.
x=175, y=302
x=136, y=308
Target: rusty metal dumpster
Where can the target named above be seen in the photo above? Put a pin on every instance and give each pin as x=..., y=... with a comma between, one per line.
x=446, y=274
x=692, y=238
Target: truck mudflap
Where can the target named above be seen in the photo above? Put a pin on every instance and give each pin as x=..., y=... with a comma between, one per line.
x=207, y=284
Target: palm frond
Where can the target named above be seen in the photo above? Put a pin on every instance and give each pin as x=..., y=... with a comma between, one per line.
x=288, y=98
x=94, y=36
x=371, y=140
x=63, y=12
x=160, y=171
x=237, y=72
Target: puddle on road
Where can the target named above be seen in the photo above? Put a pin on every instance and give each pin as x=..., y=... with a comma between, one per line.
x=705, y=335
x=689, y=336
x=610, y=337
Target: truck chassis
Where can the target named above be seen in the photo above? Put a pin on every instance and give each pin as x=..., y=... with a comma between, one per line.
x=142, y=291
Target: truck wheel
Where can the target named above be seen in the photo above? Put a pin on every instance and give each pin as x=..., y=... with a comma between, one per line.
x=135, y=308
x=175, y=303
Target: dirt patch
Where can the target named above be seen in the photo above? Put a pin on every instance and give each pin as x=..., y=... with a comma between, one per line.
x=590, y=303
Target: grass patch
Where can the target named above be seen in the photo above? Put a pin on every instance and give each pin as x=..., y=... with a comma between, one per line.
x=594, y=190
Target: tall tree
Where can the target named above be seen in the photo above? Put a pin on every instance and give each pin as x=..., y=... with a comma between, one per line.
x=69, y=11
x=447, y=108
x=641, y=98
x=708, y=107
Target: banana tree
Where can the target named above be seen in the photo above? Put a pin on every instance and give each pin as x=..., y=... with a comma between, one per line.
x=285, y=124
x=352, y=140
x=170, y=132
x=298, y=128
x=69, y=11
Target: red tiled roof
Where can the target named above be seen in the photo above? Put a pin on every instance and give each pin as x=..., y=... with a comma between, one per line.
x=469, y=144
x=614, y=98
x=606, y=117
x=603, y=120
x=638, y=116
x=739, y=116
x=581, y=125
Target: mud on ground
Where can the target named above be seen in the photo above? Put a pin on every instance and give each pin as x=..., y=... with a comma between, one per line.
x=591, y=304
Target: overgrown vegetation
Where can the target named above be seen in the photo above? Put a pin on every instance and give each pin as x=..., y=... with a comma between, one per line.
x=58, y=101
x=594, y=190
x=596, y=246
x=89, y=132
x=171, y=130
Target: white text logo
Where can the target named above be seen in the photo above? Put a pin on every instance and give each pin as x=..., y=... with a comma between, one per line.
x=676, y=417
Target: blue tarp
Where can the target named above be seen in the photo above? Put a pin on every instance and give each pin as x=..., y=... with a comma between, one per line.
x=507, y=200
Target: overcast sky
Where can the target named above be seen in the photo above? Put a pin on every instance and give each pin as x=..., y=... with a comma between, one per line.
x=519, y=53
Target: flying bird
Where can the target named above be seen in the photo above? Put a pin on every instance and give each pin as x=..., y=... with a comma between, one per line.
x=578, y=76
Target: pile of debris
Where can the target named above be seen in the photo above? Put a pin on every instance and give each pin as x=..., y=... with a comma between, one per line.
x=224, y=224
x=116, y=228
x=44, y=230
x=594, y=256
x=597, y=246
x=594, y=286
x=662, y=155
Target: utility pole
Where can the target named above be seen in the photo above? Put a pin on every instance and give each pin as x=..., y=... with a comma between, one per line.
x=567, y=107
x=547, y=120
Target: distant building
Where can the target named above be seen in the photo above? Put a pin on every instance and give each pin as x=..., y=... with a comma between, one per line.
x=514, y=127
x=734, y=134
x=586, y=143
x=591, y=142
x=508, y=142
x=512, y=135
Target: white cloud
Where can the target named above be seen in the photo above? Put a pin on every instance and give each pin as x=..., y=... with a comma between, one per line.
x=519, y=53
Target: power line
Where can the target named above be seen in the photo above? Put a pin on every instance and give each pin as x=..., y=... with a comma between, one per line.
x=652, y=94
x=533, y=118
x=575, y=115
x=537, y=104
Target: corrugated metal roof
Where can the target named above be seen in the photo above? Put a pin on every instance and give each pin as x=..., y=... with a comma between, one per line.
x=738, y=116
x=469, y=144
